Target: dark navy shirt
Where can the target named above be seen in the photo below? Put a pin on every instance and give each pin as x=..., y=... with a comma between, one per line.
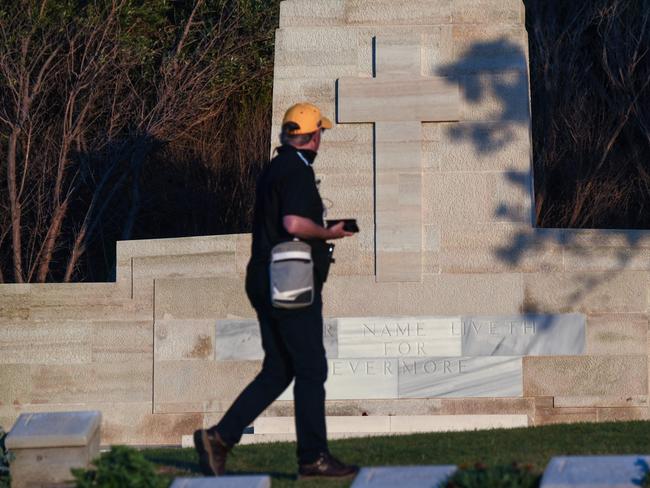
x=287, y=186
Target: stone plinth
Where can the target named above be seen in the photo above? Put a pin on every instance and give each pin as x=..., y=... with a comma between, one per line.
x=47, y=446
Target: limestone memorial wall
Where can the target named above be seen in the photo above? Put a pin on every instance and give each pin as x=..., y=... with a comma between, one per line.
x=449, y=310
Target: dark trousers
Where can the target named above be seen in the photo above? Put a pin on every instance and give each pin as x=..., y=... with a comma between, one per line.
x=293, y=347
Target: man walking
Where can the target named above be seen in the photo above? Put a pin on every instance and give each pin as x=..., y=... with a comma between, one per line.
x=287, y=206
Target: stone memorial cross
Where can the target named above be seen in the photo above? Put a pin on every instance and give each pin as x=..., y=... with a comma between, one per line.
x=398, y=99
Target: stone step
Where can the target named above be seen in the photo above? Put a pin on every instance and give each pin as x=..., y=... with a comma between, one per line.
x=140, y=261
x=395, y=423
x=282, y=429
x=180, y=245
x=196, y=265
x=248, y=439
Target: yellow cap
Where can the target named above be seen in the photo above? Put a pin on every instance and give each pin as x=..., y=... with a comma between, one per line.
x=307, y=117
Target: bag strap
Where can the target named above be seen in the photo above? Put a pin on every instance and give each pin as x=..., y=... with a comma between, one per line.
x=286, y=255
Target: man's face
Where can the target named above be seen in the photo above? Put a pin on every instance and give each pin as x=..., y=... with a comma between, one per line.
x=316, y=139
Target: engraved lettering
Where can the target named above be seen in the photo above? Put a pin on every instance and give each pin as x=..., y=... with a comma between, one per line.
x=335, y=365
x=407, y=369
x=493, y=327
x=368, y=329
x=447, y=366
x=461, y=365
x=404, y=331
x=354, y=367
x=328, y=330
x=388, y=368
x=370, y=368
x=432, y=364
x=453, y=329
x=404, y=348
x=421, y=349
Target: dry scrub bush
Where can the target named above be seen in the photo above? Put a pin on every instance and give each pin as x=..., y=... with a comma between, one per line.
x=590, y=73
x=97, y=100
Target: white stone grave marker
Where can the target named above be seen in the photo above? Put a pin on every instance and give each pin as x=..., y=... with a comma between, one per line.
x=596, y=472
x=47, y=445
x=248, y=481
x=403, y=476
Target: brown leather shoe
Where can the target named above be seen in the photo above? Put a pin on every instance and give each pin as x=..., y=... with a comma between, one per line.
x=212, y=452
x=327, y=466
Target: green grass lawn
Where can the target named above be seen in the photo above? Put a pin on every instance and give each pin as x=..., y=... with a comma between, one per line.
x=534, y=445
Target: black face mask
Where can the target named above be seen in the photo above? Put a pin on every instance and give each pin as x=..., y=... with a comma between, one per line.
x=309, y=155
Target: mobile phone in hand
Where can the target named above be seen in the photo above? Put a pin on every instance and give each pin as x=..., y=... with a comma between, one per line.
x=350, y=225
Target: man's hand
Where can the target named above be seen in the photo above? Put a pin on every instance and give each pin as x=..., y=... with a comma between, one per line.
x=306, y=229
x=337, y=231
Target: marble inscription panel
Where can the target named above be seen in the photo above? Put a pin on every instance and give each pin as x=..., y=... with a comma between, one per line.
x=239, y=340
x=423, y=357
x=523, y=335
x=461, y=377
x=398, y=337
x=422, y=378
x=350, y=379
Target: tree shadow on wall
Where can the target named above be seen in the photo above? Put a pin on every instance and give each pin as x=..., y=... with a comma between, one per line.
x=494, y=88
x=495, y=72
